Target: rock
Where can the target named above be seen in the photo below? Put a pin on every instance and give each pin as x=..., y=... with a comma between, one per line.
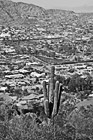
x=3, y=89
x=16, y=76
x=36, y=87
x=21, y=103
x=6, y=98
x=14, y=98
x=30, y=97
x=35, y=74
x=34, y=80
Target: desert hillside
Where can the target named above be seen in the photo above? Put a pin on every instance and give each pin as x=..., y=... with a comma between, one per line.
x=11, y=12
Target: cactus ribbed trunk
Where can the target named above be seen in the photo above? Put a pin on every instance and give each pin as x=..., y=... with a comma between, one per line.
x=59, y=97
x=44, y=90
x=51, y=94
x=54, y=113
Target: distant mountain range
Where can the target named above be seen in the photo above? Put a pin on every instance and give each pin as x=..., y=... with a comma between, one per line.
x=20, y=13
x=83, y=9
x=80, y=9
x=12, y=11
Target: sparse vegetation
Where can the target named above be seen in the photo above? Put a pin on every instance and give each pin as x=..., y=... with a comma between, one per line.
x=69, y=124
x=38, y=102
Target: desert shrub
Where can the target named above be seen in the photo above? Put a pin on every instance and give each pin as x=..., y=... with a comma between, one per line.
x=25, y=127
x=75, y=123
x=82, y=120
x=77, y=83
x=20, y=128
x=71, y=123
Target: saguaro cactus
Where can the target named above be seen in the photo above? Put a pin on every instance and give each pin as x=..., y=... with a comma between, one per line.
x=52, y=95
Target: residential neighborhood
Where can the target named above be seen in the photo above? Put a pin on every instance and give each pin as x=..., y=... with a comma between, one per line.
x=46, y=64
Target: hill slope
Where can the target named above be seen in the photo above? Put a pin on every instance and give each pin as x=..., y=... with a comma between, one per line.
x=12, y=12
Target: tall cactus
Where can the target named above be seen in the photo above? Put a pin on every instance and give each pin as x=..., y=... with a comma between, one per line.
x=52, y=95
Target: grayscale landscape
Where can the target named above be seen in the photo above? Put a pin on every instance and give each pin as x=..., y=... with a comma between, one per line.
x=46, y=72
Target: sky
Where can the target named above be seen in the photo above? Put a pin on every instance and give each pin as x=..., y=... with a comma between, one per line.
x=50, y=4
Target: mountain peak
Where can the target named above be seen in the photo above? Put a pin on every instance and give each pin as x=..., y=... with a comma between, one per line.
x=19, y=11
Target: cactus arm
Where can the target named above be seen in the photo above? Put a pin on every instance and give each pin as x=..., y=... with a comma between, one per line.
x=44, y=90
x=48, y=89
x=59, y=97
x=46, y=101
x=54, y=113
x=46, y=107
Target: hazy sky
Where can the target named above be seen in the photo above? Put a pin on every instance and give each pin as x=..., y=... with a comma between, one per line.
x=58, y=3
